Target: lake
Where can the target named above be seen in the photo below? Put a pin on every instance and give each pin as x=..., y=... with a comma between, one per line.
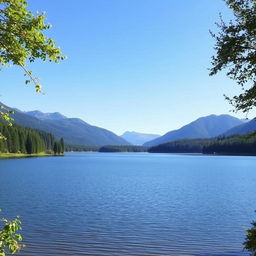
x=130, y=204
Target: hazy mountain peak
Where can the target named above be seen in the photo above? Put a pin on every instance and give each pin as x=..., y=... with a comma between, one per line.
x=137, y=138
x=46, y=116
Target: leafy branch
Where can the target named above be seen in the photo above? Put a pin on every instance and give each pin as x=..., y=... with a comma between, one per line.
x=235, y=52
x=9, y=238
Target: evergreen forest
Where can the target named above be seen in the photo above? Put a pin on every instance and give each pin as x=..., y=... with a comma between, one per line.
x=231, y=145
x=23, y=140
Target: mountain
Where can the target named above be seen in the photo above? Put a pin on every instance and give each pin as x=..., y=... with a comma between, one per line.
x=46, y=116
x=204, y=127
x=242, y=128
x=136, y=138
x=73, y=130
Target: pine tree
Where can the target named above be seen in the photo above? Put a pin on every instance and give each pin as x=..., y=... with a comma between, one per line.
x=22, y=141
x=55, y=148
x=62, y=145
x=29, y=147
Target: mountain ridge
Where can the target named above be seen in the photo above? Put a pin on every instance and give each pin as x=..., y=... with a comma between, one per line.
x=73, y=130
x=244, y=128
x=44, y=116
x=203, y=127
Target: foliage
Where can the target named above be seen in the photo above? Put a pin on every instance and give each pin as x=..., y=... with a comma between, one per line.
x=9, y=238
x=5, y=116
x=250, y=241
x=24, y=140
x=22, y=38
x=236, y=51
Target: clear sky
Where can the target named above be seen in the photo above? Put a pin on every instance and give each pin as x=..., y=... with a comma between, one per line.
x=139, y=65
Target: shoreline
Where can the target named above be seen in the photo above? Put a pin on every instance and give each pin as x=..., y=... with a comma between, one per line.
x=21, y=155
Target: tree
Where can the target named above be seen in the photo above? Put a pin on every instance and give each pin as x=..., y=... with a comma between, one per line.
x=250, y=241
x=22, y=38
x=55, y=148
x=29, y=145
x=21, y=41
x=62, y=146
x=236, y=52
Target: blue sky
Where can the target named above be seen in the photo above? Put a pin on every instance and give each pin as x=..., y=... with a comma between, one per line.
x=139, y=65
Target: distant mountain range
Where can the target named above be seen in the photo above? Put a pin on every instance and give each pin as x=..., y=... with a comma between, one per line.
x=73, y=130
x=77, y=132
x=204, y=127
x=136, y=138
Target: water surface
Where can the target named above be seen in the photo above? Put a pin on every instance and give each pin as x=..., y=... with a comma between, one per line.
x=130, y=204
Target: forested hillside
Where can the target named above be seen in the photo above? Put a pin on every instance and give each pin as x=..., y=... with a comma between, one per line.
x=74, y=130
x=181, y=146
x=232, y=145
x=18, y=139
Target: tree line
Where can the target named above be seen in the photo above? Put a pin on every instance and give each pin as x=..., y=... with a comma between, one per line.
x=124, y=148
x=231, y=145
x=181, y=146
x=107, y=148
x=80, y=148
x=19, y=139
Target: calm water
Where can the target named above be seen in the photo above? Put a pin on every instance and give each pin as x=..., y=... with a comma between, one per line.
x=130, y=204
